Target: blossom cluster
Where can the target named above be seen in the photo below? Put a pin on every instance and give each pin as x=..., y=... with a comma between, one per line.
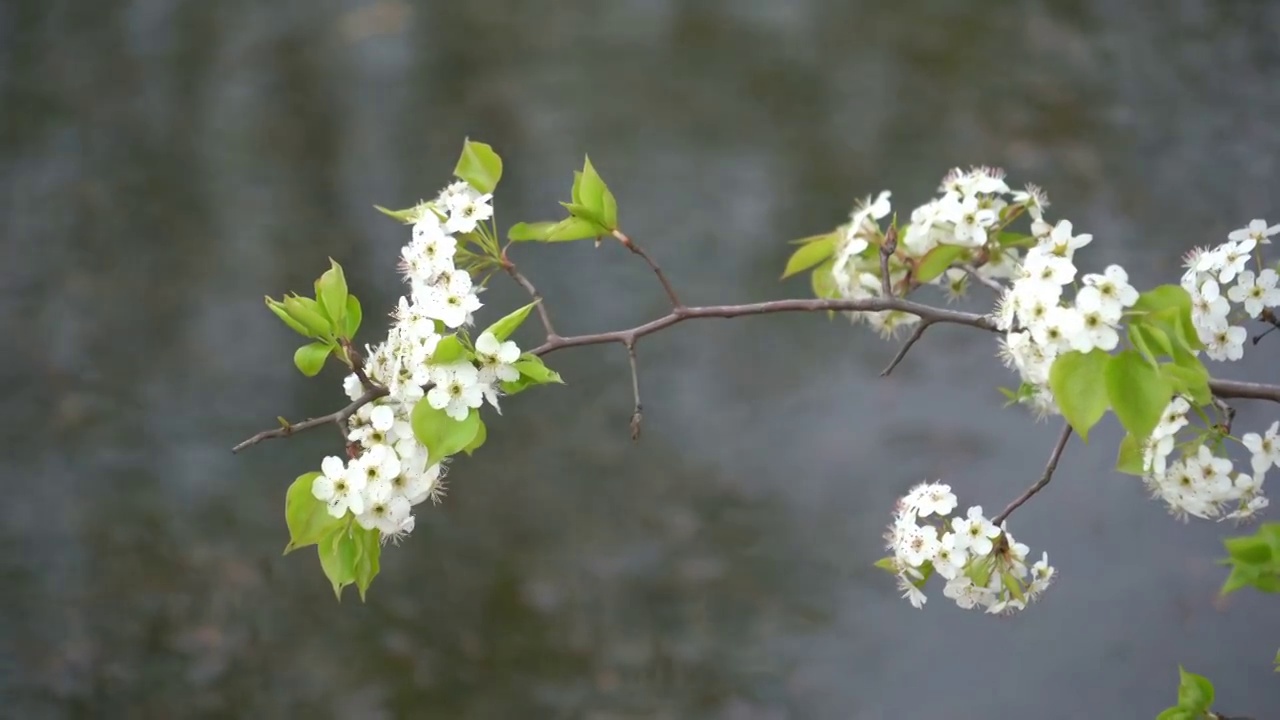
x=983, y=565
x=971, y=210
x=393, y=471
x=1214, y=305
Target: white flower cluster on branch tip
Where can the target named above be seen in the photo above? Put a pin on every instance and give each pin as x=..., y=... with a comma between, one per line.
x=983, y=565
x=392, y=471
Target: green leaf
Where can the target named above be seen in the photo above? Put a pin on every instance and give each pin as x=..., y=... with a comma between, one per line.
x=810, y=254
x=532, y=367
x=442, y=435
x=521, y=231
x=979, y=571
x=449, y=350
x=888, y=563
x=368, y=558
x=310, y=358
x=310, y=314
x=1137, y=392
x=1177, y=713
x=308, y=519
x=1012, y=584
x=338, y=556
x=482, y=434
x=1076, y=380
x=609, y=210
x=278, y=308
x=1249, y=549
x=1169, y=307
x=1195, y=692
x=1012, y=239
x=479, y=165
x=1149, y=340
x=331, y=291
x=823, y=281
x=1186, y=381
x=1240, y=577
x=354, y=316
x=408, y=216
x=1130, y=458
x=590, y=186
x=572, y=228
x=1161, y=297
x=507, y=325
x=936, y=261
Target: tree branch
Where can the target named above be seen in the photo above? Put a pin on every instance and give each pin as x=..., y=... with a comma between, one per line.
x=635, y=390
x=1052, y=465
x=1228, y=389
x=662, y=278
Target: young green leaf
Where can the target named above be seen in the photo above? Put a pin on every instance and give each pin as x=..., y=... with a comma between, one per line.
x=1153, y=341
x=442, y=435
x=1249, y=549
x=507, y=325
x=1076, y=380
x=522, y=231
x=277, y=307
x=573, y=228
x=368, y=558
x=338, y=556
x=331, y=292
x=479, y=165
x=482, y=434
x=888, y=563
x=307, y=518
x=1137, y=392
x=1188, y=381
x=532, y=367
x=810, y=254
x=354, y=315
x=1130, y=460
x=310, y=315
x=1195, y=692
x=407, y=216
x=590, y=187
x=1241, y=576
x=823, y=282
x=936, y=261
x=310, y=358
x=1177, y=713
x=449, y=350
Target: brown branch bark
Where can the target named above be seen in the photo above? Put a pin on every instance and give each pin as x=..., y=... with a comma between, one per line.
x=1049, y=468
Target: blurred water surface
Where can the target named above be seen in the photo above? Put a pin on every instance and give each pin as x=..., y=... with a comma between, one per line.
x=166, y=163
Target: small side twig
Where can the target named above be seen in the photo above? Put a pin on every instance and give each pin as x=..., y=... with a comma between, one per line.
x=1228, y=413
x=528, y=286
x=339, y=418
x=635, y=390
x=629, y=244
x=357, y=365
x=972, y=271
x=887, y=248
x=906, y=346
x=1049, y=468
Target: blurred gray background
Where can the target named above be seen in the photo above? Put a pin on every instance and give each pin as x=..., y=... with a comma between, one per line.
x=166, y=163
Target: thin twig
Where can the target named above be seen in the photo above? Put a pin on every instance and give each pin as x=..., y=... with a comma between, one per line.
x=524, y=282
x=339, y=418
x=635, y=390
x=906, y=347
x=992, y=283
x=662, y=277
x=887, y=248
x=1052, y=465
